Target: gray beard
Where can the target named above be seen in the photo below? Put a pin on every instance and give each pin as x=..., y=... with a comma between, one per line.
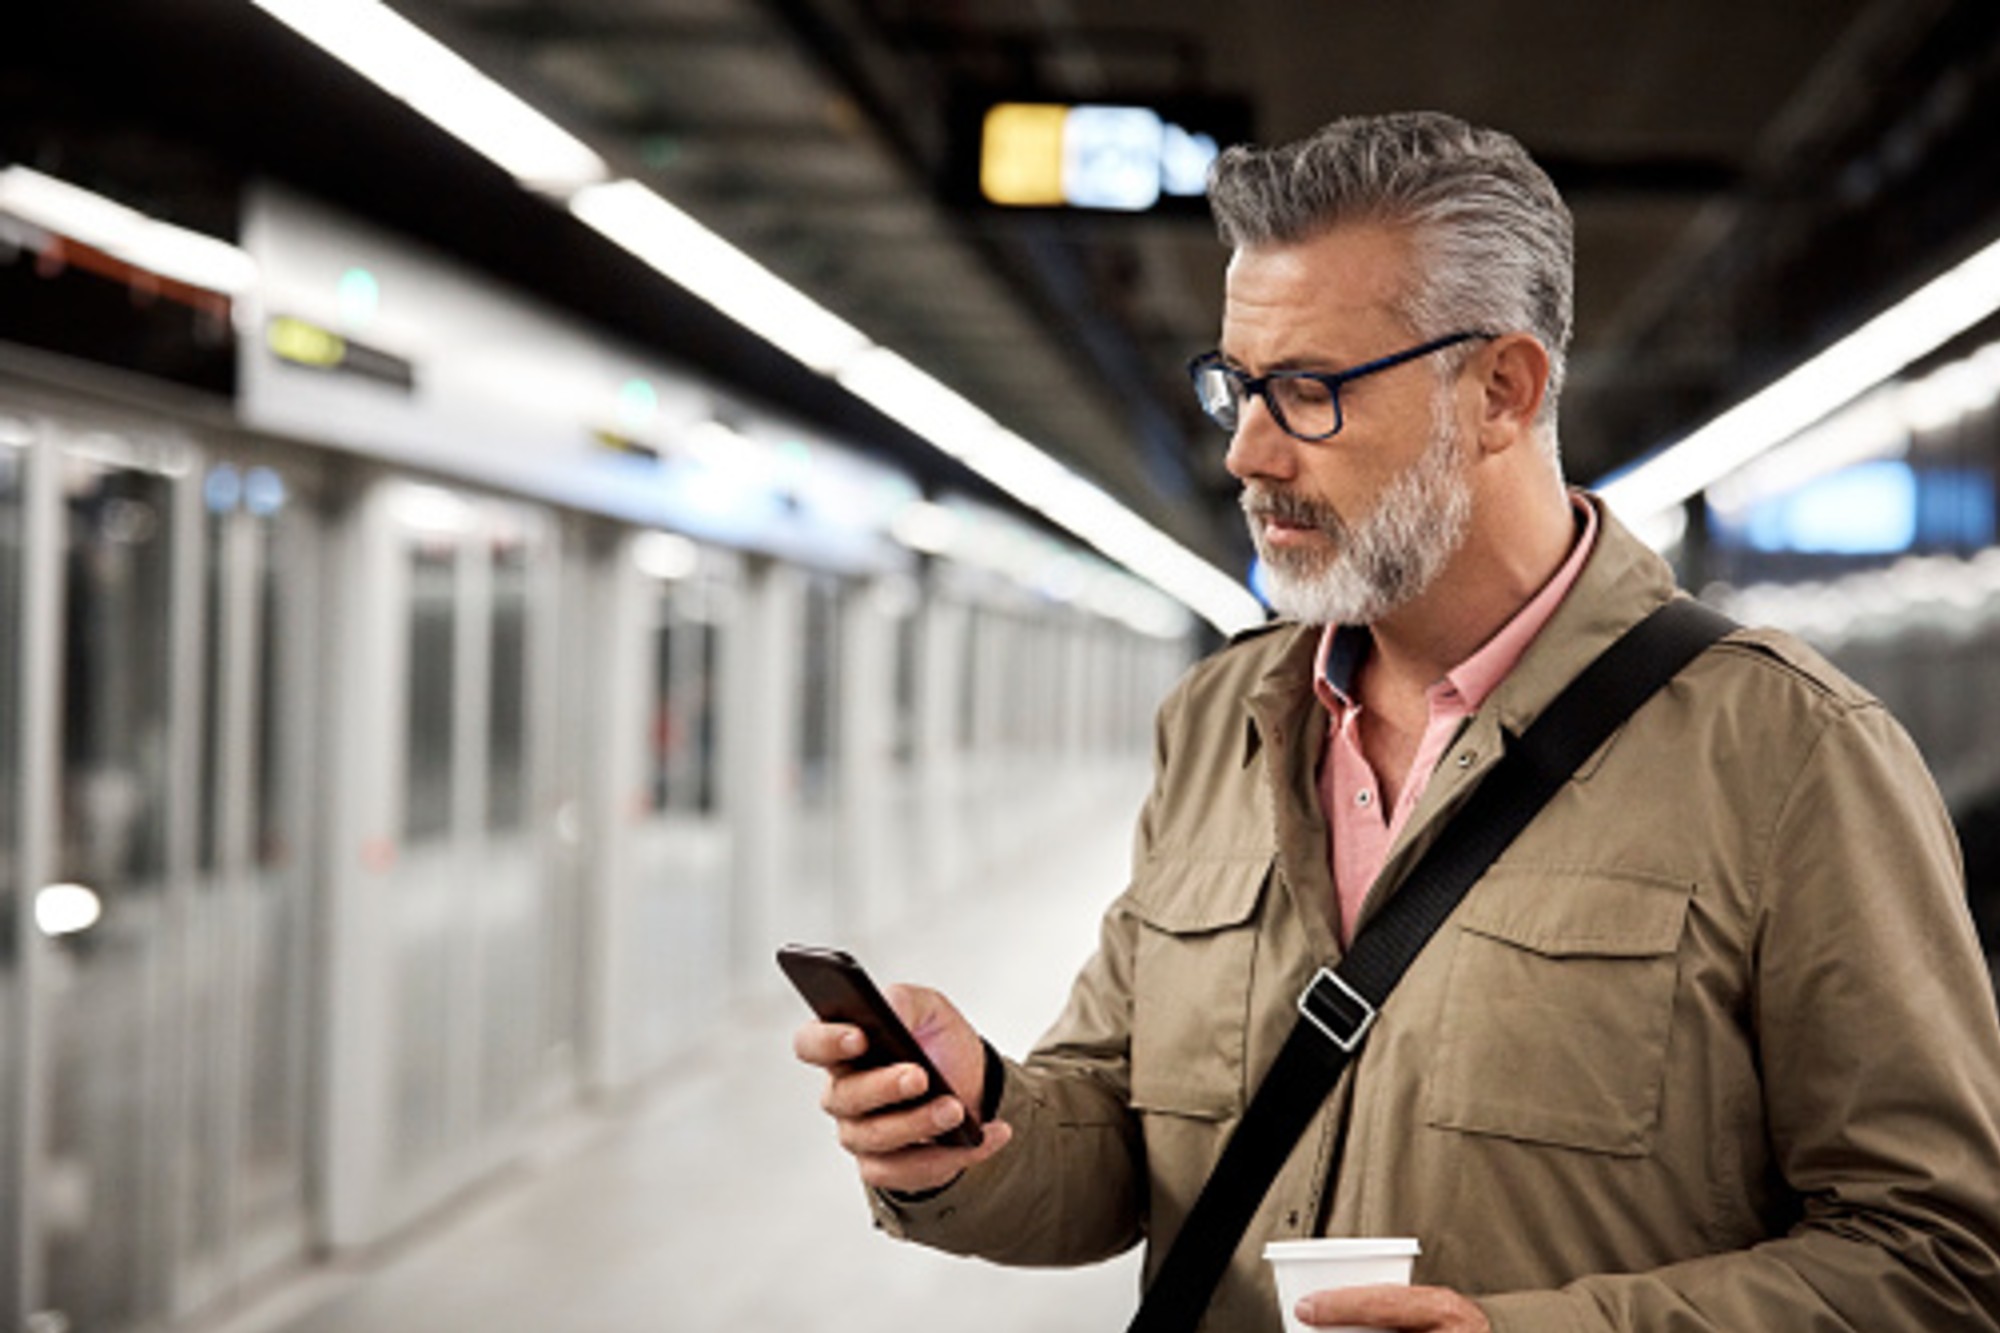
x=1384, y=562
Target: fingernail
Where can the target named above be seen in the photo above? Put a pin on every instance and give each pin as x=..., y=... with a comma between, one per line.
x=947, y=1113
x=851, y=1043
x=912, y=1082
x=1303, y=1312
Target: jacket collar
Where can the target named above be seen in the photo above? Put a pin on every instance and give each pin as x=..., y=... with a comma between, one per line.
x=1282, y=699
x=1621, y=583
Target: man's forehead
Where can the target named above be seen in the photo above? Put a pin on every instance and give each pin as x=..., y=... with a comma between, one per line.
x=1351, y=276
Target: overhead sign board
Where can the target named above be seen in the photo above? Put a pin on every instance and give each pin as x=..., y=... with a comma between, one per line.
x=1114, y=156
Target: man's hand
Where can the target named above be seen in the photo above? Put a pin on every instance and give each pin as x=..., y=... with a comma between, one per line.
x=894, y=1147
x=1419, y=1309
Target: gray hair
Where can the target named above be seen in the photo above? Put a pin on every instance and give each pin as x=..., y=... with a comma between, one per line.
x=1494, y=239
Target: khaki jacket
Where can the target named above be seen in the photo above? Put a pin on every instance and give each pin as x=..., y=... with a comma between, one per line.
x=1711, y=1047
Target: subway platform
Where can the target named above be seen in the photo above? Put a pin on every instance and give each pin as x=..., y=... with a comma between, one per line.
x=719, y=1202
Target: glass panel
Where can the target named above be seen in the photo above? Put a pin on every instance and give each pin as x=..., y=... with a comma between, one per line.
x=700, y=693
x=664, y=728
x=107, y=1035
x=903, y=741
x=212, y=1004
x=429, y=730
x=271, y=1168
x=12, y=435
x=507, y=699
x=207, y=830
x=681, y=763
x=820, y=696
x=969, y=675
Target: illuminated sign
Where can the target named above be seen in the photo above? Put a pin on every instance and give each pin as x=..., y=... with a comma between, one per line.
x=1106, y=157
x=300, y=342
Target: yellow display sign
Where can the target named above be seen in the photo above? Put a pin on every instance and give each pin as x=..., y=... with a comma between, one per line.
x=1021, y=154
x=305, y=344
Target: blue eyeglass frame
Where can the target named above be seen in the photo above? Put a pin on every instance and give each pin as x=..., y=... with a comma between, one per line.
x=1259, y=385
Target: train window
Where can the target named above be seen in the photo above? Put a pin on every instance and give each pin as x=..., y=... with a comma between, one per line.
x=664, y=738
x=274, y=813
x=429, y=730
x=113, y=792
x=682, y=760
x=208, y=831
x=819, y=715
x=702, y=706
x=969, y=676
x=507, y=699
x=115, y=692
x=903, y=744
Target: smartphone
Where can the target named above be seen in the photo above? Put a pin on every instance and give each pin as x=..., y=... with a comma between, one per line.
x=840, y=991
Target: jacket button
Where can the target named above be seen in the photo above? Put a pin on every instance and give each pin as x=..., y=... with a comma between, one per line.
x=1465, y=759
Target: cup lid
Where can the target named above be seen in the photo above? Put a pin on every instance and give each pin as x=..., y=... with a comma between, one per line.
x=1344, y=1247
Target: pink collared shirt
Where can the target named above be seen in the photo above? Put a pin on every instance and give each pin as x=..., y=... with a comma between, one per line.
x=1360, y=832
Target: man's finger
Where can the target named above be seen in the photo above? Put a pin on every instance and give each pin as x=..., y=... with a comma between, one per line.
x=1422, y=1309
x=929, y=1166
x=895, y=1131
x=866, y=1091
x=828, y=1044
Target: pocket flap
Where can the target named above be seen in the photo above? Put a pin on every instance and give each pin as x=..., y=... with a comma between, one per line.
x=1193, y=897
x=1584, y=914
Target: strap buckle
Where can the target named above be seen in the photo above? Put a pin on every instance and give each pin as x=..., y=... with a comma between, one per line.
x=1336, y=1009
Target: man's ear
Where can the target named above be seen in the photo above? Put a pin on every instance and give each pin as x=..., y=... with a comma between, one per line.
x=1514, y=378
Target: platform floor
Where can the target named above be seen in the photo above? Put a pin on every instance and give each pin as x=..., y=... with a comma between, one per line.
x=719, y=1203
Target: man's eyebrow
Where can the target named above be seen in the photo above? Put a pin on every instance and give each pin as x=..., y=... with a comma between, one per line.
x=1313, y=365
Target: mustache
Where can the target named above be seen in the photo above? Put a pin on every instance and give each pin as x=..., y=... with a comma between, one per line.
x=1268, y=504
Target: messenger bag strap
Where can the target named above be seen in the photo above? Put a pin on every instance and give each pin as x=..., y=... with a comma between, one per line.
x=1338, y=1007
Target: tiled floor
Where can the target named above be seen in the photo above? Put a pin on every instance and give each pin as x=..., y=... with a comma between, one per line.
x=720, y=1203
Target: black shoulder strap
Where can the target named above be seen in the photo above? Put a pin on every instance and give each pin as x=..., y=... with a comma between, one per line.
x=1337, y=1009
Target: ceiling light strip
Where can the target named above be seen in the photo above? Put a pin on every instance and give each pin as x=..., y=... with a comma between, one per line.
x=126, y=234
x=1880, y=349
x=411, y=65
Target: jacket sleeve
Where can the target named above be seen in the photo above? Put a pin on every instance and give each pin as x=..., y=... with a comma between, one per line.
x=1071, y=1187
x=1880, y=1053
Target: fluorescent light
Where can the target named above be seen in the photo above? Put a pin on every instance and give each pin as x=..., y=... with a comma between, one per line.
x=66, y=909
x=674, y=244
x=412, y=66
x=1919, y=324
x=125, y=233
x=954, y=425
x=924, y=526
x=665, y=555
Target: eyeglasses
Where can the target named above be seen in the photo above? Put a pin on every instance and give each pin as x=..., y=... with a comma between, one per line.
x=1304, y=403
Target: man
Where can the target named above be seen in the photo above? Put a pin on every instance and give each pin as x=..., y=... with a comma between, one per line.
x=1709, y=1047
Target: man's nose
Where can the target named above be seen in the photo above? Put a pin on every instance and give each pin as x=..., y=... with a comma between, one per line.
x=1259, y=446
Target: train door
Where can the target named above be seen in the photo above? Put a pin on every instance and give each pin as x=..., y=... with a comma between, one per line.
x=105, y=1003
x=249, y=967
x=16, y=908
x=162, y=1157
x=664, y=921
x=442, y=848
x=817, y=877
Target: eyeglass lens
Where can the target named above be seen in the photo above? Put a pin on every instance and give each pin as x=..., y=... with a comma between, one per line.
x=1304, y=406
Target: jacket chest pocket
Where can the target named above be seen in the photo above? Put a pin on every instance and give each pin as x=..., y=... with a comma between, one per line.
x=1558, y=1008
x=1191, y=972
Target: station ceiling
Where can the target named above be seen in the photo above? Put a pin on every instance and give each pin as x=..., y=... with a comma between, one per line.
x=1750, y=178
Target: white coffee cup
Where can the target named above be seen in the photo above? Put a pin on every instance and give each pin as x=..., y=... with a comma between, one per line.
x=1305, y=1266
